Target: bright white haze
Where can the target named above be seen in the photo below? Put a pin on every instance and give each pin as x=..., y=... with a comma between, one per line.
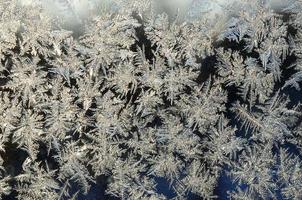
x=74, y=12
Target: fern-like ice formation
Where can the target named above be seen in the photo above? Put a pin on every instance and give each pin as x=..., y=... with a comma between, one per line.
x=140, y=99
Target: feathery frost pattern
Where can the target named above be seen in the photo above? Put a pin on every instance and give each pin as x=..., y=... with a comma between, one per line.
x=132, y=100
